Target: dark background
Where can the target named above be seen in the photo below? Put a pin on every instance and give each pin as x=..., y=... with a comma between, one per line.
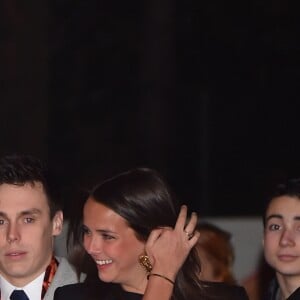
x=206, y=92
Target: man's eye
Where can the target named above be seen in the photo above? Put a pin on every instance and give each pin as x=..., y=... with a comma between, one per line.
x=274, y=227
x=28, y=220
x=2, y=222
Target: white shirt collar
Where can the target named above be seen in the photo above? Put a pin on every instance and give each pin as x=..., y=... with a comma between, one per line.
x=33, y=289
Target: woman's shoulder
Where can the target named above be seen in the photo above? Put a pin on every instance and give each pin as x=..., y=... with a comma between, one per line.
x=224, y=291
x=68, y=291
x=77, y=291
x=92, y=291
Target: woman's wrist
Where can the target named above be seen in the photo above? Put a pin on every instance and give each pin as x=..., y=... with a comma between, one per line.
x=167, y=273
x=160, y=276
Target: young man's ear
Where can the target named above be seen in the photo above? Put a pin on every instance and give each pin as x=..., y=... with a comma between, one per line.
x=57, y=223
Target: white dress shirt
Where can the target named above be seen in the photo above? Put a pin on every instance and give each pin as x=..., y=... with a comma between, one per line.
x=33, y=289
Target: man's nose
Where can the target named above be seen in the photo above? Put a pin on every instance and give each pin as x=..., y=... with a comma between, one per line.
x=13, y=233
x=287, y=238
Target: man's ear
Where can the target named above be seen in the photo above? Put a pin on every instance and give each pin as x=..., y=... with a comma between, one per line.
x=57, y=223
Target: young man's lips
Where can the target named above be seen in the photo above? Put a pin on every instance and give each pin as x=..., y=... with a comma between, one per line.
x=286, y=257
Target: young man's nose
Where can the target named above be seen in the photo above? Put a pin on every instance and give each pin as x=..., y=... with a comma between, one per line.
x=287, y=238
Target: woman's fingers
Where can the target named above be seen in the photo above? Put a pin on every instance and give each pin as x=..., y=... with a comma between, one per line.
x=194, y=239
x=180, y=223
x=187, y=228
x=191, y=226
x=154, y=235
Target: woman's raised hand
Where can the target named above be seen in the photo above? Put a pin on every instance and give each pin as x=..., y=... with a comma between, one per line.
x=168, y=247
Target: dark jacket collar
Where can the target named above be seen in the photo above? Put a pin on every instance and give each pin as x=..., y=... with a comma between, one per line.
x=273, y=291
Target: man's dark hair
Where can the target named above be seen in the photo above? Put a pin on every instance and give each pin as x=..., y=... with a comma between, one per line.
x=21, y=169
x=290, y=188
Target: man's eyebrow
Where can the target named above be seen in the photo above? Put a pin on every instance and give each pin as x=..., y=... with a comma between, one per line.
x=32, y=211
x=277, y=216
x=3, y=215
x=24, y=212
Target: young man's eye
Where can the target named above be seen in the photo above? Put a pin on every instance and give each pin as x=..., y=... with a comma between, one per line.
x=2, y=222
x=274, y=227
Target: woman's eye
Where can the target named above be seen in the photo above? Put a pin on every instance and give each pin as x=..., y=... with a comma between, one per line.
x=85, y=231
x=107, y=236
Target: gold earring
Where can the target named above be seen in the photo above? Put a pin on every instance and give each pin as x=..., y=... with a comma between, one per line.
x=145, y=262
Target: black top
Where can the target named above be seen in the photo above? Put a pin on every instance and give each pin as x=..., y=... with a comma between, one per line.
x=93, y=291
x=110, y=291
x=274, y=290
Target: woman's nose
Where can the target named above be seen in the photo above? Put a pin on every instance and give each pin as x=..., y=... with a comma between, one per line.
x=92, y=245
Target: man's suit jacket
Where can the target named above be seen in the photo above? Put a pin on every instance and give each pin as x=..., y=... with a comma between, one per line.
x=65, y=274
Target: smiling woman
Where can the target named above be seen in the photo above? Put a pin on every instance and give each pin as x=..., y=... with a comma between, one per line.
x=141, y=242
x=114, y=246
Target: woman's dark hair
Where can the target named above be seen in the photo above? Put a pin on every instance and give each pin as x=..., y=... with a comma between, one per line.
x=141, y=197
x=144, y=199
